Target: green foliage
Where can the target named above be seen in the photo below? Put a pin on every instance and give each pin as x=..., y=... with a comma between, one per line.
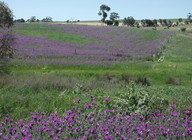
x=32, y=19
x=144, y=81
x=20, y=20
x=147, y=22
x=140, y=100
x=189, y=16
x=109, y=22
x=19, y=102
x=183, y=29
x=165, y=22
x=6, y=37
x=155, y=22
x=180, y=19
x=116, y=23
x=114, y=16
x=130, y=21
x=47, y=19
x=6, y=16
x=173, y=81
x=6, y=41
x=103, y=12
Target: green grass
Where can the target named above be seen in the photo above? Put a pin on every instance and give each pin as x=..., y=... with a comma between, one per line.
x=48, y=32
x=19, y=102
x=177, y=62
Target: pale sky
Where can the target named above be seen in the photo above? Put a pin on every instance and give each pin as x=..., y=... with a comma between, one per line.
x=62, y=10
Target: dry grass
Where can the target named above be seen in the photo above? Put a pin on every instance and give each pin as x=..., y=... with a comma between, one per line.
x=37, y=81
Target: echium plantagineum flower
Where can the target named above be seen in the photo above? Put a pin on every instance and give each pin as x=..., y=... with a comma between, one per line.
x=78, y=100
x=93, y=102
x=106, y=99
x=105, y=45
x=92, y=97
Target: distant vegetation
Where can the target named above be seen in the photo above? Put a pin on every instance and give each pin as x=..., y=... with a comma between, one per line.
x=34, y=20
x=113, y=16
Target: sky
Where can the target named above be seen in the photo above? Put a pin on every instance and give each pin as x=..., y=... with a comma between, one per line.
x=86, y=10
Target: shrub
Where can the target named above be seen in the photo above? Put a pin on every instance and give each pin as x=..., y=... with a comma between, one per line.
x=173, y=81
x=129, y=21
x=154, y=28
x=116, y=23
x=6, y=42
x=144, y=81
x=6, y=16
x=6, y=37
x=127, y=78
x=139, y=100
x=183, y=29
x=109, y=22
x=108, y=77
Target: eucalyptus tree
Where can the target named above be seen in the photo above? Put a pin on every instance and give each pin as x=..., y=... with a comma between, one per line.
x=103, y=12
x=129, y=21
x=114, y=16
x=6, y=16
x=6, y=36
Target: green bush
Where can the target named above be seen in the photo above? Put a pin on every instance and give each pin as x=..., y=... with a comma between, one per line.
x=183, y=29
x=140, y=100
x=173, y=81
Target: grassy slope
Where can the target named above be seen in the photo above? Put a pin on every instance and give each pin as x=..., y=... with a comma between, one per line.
x=177, y=60
x=40, y=88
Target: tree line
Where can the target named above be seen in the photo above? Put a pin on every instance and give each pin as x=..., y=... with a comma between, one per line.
x=130, y=21
x=34, y=19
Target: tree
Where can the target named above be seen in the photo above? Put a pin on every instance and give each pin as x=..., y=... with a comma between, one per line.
x=20, y=20
x=6, y=42
x=169, y=24
x=189, y=16
x=143, y=22
x=116, y=23
x=180, y=20
x=161, y=21
x=109, y=22
x=6, y=36
x=165, y=22
x=129, y=21
x=147, y=22
x=114, y=16
x=47, y=19
x=103, y=12
x=155, y=22
x=6, y=16
x=32, y=19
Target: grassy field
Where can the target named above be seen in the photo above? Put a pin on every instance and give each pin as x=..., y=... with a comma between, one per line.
x=37, y=83
x=87, y=82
